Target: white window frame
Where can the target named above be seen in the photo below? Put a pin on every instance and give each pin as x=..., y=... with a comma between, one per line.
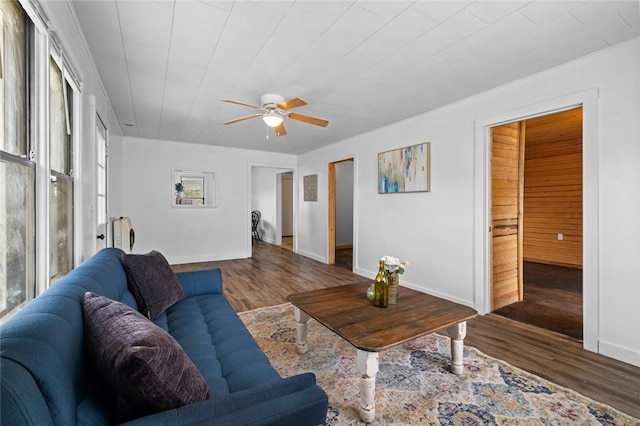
x=210, y=188
x=68, y=175
x=44, y=46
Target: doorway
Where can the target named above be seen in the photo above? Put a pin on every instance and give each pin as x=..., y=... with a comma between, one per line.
x=537, y=223
x=286, y=181
x=272, y=196
x=341, y=213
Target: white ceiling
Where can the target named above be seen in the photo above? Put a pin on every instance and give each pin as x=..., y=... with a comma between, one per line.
x=359, y=64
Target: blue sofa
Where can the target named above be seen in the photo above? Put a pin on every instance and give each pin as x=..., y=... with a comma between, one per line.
x=48, y=379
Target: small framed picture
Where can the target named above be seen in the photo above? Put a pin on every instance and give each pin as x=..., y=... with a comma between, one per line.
x=311, y=188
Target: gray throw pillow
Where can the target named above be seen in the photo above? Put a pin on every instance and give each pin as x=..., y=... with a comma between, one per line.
x=138, y=359
x=152, y=282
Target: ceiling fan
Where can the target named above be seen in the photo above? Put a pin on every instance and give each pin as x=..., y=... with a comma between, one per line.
x=274, y=108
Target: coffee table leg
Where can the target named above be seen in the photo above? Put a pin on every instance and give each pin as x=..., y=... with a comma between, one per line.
x=457, y=334
x=367, y=364
x=302, y=320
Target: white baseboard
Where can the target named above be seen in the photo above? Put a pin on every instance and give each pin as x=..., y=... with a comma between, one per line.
x=312, y=256
x=175, y=260
x=439, y=295
x=404, y=283
x=620, y=353
x=365, y=274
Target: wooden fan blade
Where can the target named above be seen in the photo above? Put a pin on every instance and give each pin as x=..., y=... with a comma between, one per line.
x=280, y=130
x=243, y=118
x=292, y=103
x=231, y=101
x=308, y=119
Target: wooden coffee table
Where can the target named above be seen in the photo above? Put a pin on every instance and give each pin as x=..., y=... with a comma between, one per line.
x=346, y=311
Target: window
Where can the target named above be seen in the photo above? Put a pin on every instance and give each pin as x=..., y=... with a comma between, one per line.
x=193, y=190
x=17, y=169
x=13, y=71
x=198, y=188
x=24, y=65
x=61, y=181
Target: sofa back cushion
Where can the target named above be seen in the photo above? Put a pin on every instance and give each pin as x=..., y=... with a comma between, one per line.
x=152, y=282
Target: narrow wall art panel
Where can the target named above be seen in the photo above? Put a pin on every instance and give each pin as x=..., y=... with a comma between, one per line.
x=405, y=169
x=311, y=188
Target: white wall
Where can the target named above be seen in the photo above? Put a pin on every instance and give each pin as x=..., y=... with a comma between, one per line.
x=115, y=164
x=344, y=203
x=263, y=199
x=438, y=231
x=191, y=234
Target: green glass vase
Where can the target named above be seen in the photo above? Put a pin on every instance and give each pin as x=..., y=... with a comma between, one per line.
x=381, y=288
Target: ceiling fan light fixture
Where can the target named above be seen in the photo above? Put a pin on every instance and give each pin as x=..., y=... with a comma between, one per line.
x=274, y=109
x=272, y=119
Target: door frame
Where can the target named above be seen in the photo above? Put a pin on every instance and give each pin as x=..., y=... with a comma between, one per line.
x=283, y=168
x=588, y=100
x=107, y=241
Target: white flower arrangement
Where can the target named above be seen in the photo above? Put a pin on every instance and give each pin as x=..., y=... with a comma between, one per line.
x=392, y=265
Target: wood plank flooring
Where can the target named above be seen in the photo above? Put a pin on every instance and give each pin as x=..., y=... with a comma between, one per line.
x=287, y=243
x=273, y=273
x=552, y=299
x=344, y=258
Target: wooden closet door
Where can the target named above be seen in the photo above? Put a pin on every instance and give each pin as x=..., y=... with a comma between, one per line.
x=507, y=158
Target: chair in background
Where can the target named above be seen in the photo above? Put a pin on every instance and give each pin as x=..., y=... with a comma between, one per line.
x=255, y=223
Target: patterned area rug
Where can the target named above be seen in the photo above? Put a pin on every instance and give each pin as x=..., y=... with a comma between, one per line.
x=414, y=385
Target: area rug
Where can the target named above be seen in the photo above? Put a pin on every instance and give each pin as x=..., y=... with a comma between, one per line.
x=414, y=385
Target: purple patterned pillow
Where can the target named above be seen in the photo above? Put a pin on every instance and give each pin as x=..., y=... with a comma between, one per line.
x=152, y=282
x=138, y=359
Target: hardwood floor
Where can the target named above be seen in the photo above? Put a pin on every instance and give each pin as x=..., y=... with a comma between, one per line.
x=287, y=243
x=552, y=299
x=273, y=273
x=344, y=258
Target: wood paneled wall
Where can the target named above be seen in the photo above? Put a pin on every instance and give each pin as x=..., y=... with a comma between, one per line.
x=553, y=189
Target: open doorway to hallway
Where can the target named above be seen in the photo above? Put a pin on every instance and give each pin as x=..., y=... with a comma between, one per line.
x=286, y=207
x=272, y=196
x=341, y=213
x=537, y=217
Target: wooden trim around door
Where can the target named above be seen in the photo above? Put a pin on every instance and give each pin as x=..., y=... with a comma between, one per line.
x=521, y=157
x=331, y=255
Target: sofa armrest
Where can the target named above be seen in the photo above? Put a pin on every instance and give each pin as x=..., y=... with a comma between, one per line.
x=201, y=282
x=21, y=401
x=295, y=401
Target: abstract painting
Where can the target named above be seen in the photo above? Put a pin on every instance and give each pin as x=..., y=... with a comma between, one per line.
x=405, y=169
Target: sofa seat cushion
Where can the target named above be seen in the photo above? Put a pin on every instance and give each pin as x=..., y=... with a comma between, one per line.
x=218, y=343
x=138, y=359
x=152, y=282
